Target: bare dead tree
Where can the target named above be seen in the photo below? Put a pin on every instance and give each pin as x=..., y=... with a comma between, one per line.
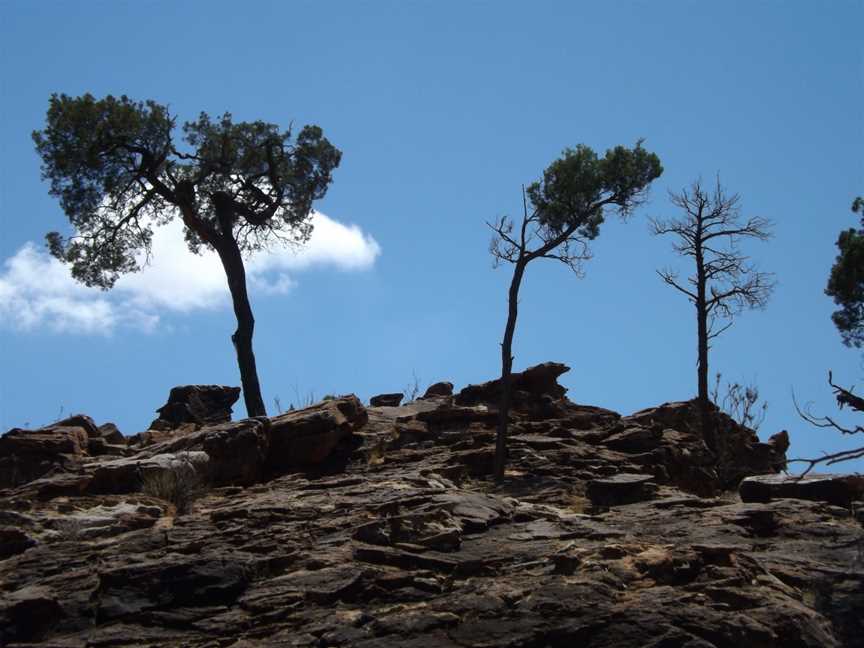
x=845, y=398
x=566, y=211
x=724, y=281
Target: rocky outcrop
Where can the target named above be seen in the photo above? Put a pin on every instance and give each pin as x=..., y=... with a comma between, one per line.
x=693, y=465
x=196, y=405
x=386, y=400
x=309, y=436
x=336, y=526
x=534, y=384
x=26, y=455
x=840, y=490
x=439, y=389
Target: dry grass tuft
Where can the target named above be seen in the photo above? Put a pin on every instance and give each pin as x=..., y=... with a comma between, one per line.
x=181, y=485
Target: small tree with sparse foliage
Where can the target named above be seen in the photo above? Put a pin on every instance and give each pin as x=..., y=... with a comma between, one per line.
x=566, y=210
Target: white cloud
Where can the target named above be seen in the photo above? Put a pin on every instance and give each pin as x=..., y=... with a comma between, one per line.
x=37, y=291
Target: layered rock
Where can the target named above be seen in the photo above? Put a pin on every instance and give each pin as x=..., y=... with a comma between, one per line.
x=386, y=400
x=196, y=405
x=26, y=455
x=337, y=526
x=840, y=490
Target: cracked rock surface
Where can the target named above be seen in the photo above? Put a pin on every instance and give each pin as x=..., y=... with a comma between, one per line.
x=341, y=525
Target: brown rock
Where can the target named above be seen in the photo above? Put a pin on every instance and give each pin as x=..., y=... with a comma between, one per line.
x=97, y=446
x=111, y=434
x=309, y=436
x=127, y=475
x=386, y=400
x=439, y=389
x=634, y=439
x=196, y=404
x=238, y=451
x=435, y=528
x=416, y=546
x=621, y=489
x=26, y=455
x=840, y=490
x=47, y=441
x=531, y=384
x=79, y=420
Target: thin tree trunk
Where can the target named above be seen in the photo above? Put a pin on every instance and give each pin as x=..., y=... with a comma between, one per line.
x=232, y=261
x=506, y=371
x=702, y=363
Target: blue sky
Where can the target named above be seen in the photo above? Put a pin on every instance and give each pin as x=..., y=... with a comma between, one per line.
x=442, y=111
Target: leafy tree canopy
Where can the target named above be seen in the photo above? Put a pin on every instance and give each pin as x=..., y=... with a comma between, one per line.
x=846, y=282
x=577, y=186
x=117, y=171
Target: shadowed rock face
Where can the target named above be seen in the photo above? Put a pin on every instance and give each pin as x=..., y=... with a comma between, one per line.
x=337, y=526
x=536, y=383
x=386, y=400
x=196, y=404
x=840, y=490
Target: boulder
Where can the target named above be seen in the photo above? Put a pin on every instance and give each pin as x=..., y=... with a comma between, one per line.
x=530, y=385
x=46, y=441
x=79, y=420
x=309, y=436
x=111, y=434
x=621, y=489
x=840, y=490
x=386, y=400
x=26, y=455
x=439, y=389
x=197, y=404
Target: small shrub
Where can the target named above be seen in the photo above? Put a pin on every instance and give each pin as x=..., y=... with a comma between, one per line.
x=741, y=403
x=412, y=390
x=181, y=485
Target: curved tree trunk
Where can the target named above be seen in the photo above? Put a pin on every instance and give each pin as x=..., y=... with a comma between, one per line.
x=506, y=371
x=232, y=261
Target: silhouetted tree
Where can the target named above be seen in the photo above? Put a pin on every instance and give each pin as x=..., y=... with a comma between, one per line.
x=846, y=286
x=846, y=283
x=118, y=173
x=566, y=210
x=724, y=282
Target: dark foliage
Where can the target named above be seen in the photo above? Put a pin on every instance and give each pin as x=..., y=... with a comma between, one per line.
x=566, y=210
x=118, y=173
x=846, y=282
